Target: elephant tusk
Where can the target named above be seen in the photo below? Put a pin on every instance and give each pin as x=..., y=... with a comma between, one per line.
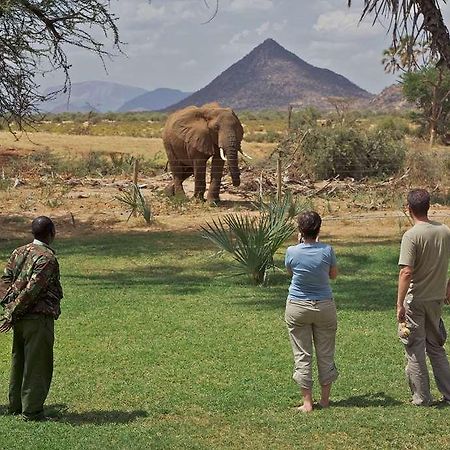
x=245, y=154
x=222, y=154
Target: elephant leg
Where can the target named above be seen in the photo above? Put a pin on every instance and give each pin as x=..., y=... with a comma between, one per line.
x=217, y=164
x=180, y=173
x=200, y=178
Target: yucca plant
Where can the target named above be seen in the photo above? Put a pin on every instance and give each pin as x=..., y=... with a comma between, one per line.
x=136, y=202
x=252, y=241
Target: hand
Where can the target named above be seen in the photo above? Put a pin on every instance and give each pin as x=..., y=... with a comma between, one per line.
x=401, y=314
x=5, y=326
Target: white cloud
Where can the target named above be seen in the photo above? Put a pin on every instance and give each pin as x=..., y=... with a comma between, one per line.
x=238, y=37
x=263, y=28
x=189, y=64
x=246, y=5
x=267, y=27
x=344, y=24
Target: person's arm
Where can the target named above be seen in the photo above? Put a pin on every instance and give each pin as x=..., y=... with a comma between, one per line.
x=404, y=280
x=287, y=263
x=8, y=275
x=447, y=297
x=5, y=282
x=333, y=272
x=42, y=271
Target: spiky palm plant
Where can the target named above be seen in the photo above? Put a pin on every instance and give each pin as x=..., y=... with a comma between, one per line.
x=253, y=241
x=133, y=198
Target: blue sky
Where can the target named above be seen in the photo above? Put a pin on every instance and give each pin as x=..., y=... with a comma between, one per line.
x=168, y=46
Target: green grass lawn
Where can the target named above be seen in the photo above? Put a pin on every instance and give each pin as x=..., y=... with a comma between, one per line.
x=159, y=348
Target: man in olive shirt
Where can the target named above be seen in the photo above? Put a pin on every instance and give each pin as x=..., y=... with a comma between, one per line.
x=30, y=293
x=423, y=288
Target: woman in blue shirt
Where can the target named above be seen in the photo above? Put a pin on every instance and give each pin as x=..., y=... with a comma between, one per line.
x=310, y=309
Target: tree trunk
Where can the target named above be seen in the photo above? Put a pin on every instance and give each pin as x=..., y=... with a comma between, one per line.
x=434, y=24
x=432, y=135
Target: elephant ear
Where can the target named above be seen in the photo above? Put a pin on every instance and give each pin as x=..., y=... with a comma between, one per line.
x=198, y=138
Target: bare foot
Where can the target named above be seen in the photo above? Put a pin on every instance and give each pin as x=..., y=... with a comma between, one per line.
x=323, y=404
x=305, y=408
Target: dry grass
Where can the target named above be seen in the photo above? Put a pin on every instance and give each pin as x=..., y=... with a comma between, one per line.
x=149, y=148
x=60, y=143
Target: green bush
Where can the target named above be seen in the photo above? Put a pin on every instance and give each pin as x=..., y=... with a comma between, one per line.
x=253, y=240
x=349, y=152
x=305, y=118
x=397, y=126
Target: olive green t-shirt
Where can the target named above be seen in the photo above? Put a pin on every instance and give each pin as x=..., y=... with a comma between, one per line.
x=426, y=248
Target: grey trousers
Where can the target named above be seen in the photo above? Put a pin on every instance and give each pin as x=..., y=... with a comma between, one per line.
x=311, y=322
x=427, y=338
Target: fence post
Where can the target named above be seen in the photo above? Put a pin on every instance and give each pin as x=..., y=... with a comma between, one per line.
x=135, y=184
x=279, y=179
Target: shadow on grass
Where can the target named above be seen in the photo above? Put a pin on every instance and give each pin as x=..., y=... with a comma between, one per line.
x=187, y=264
x=173, y=277
x=60, y=413
x=368, y=400
x=134, y=244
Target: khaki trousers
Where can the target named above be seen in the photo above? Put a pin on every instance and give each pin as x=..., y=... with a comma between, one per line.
x=32, y=365
x=427, y=337
x=311, y=322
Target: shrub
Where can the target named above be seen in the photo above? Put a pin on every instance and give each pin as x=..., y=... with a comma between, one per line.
x=348, y=152
x=252, y=241
x=428, y=169
x=305, y=118
x=397, y=126
x=136, y=203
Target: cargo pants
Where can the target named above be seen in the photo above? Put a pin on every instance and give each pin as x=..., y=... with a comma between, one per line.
x=311, y=322
x=32, y=365
x=427, y=337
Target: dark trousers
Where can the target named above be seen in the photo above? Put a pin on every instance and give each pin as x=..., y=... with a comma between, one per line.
x=32, y=365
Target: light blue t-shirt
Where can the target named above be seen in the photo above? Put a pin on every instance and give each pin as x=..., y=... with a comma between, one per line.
x=310, y=265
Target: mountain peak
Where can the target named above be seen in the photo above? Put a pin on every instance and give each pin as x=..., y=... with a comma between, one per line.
x=272, y=49
x=272, y=77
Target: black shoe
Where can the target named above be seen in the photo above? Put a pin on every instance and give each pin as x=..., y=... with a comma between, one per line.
x=37, y=418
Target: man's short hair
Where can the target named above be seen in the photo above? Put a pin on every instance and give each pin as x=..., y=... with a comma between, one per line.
x=42, y=227
x=419, y=201
x=309, y=224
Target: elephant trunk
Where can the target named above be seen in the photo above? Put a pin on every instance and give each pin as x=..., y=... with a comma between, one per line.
x=233, y=166
x=229, y=150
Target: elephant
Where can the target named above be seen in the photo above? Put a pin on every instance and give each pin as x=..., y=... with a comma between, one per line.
x=193, y=135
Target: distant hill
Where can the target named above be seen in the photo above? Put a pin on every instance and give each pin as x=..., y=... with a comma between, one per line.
x=389, y=99
x=272, y=77
x=154, y=100
x=99, y=96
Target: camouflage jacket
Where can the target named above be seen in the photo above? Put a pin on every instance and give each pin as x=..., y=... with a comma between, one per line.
x=30, y=283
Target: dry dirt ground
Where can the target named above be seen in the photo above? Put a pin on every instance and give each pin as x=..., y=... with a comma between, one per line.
x=89, y=205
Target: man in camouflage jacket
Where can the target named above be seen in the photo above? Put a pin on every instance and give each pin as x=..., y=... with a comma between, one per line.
x=30, y=293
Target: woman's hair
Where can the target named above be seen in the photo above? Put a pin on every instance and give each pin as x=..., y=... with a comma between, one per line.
x=309, y=224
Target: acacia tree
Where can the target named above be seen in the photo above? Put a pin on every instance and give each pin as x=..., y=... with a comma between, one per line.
x=421, y=20
x=429, y=89
x=34, y=36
